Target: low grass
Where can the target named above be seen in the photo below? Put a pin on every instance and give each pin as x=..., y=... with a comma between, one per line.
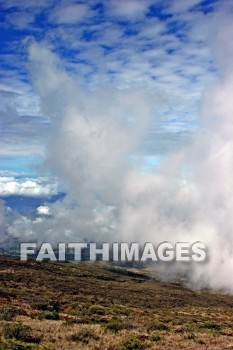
x=51, y=306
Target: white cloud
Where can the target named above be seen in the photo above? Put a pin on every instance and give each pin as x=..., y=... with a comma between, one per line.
x=27, y=187
x=43, y=210
x=23, y=13
x=130, y=9
x=69, y=14
x=7, y=218
x=22, y=124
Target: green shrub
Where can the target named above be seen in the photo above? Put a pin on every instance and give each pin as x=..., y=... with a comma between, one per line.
x=7, y=313
x=116, y=326
x=84, y=336
x=15, y=345
x=43, y=306
x=77, y=313
x=92, y=319
x=96, y=310
x=210, y=325
x=156, y=326
x=19, y=331
x=7, y=292
x=50, y=315
x=16, y=330
x=190, y=335
x=132, y=344
x=70, y=321
x=189, y=327
x=118, y=310
x=47, y=306
x=155, y=336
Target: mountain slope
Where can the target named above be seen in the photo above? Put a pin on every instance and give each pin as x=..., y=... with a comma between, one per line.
x=94, y=306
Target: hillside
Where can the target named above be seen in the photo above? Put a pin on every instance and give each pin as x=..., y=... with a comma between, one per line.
x=92, y=306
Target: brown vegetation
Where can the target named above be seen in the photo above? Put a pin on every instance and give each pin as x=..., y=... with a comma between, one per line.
x=91, y=306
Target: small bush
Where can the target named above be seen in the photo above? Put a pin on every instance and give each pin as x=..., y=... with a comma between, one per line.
x=155, y=336
x=41, y=306
x=190, y=336
x=49, y=315
x=8, y=313
x=96, y=310
x=84, y=336
x=156, y=326
x=132, y=344
x=19, y=331
x=211, y=325
x=7, y=293
x=118, y=310
x=15, y=345
x=189, y=328
x=70, y=321
x=16, y=330
x=77, y=313
x=92, y=319
x=47, y=306
x=116, y=326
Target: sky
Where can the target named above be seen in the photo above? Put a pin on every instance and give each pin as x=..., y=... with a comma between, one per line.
x=124, y=107
x=159, y=45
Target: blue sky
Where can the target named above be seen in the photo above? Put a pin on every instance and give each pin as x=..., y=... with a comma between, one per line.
x=159, y=45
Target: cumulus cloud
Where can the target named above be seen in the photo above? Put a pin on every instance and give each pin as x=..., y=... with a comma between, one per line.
x=43, y=210
x=27, y=187
x=95, y=126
